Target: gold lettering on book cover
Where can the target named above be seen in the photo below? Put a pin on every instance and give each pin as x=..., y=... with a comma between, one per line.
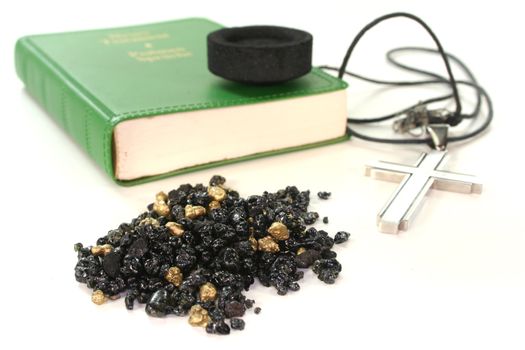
x=150, y=56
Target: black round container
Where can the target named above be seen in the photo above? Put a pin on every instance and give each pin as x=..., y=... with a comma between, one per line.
x=260, y=54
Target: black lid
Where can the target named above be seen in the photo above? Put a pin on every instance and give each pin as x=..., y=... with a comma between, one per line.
x=260, y=54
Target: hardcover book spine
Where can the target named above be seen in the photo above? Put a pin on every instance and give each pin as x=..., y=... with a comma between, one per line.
x=67, y=102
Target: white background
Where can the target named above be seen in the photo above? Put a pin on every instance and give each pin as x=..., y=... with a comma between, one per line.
x=455, y=280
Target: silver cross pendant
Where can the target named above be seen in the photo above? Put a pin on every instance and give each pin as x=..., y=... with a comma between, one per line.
x=415, y=181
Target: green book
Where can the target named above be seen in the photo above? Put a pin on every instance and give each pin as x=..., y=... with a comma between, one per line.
x=142, y=103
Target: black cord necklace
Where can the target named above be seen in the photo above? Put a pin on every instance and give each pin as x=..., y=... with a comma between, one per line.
x=419, y=115
x=425, y=174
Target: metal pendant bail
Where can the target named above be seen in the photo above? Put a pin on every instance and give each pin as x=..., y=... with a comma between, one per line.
x=438, y=136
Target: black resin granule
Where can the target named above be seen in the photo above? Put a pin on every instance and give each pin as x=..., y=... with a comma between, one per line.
x=217, y=180
x=198, y=249
x=234, y=309
x=341, y=237
x=237, y=323
x=324, y=195
x=327, y=270
x=325, y=220
x=218, y=327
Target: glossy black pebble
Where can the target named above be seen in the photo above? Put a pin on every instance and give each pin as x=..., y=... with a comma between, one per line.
x=129, y=301
x=341, y=237
x=158, y=304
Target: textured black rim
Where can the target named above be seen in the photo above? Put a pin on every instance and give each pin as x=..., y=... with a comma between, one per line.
x=260, y=54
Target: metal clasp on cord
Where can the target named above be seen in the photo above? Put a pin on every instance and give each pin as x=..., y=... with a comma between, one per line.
x=420, y=117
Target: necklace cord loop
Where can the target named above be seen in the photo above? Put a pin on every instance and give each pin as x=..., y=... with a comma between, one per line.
x=418, y=115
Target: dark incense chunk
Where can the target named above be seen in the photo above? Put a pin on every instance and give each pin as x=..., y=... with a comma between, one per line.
x=237, y=323
x=341, y=237
x=324, y=195
x=198, y=249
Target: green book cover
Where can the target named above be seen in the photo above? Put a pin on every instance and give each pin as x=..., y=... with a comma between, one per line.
x=90, y=81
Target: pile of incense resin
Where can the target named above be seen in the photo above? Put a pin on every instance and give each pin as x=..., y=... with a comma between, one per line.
x=198, y=248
